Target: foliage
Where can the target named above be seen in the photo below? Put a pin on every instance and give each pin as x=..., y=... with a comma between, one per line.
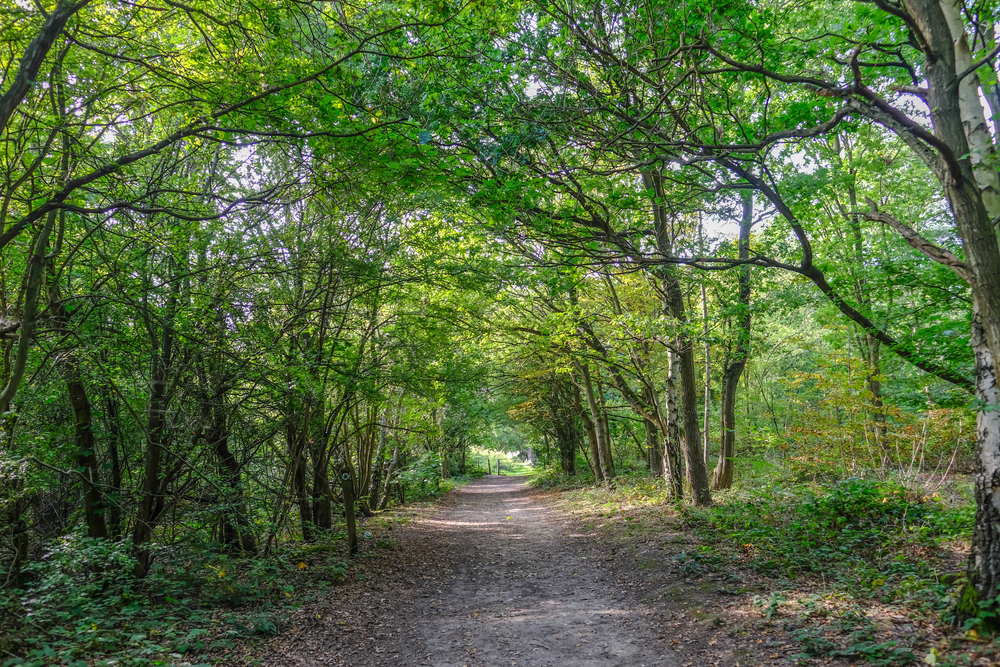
x=844, y=530
x=81, y=603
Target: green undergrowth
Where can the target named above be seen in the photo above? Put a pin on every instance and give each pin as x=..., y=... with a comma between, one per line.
x=421, y=479
x=80, y=605
x=553, y=478
x=821, y=554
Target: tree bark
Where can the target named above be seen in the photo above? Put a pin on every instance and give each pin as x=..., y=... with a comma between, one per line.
x=722, y=477
x=673, y=306
x=151, y=497
x=591, y=430
x=654, y=452
x=600, y=434
x=672, y=442
x=236, y=532
x=985, y=556
x=86, y=453
x=114, y=444
x=708, y=355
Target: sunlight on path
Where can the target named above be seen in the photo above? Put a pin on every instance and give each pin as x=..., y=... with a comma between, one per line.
x=517, y=589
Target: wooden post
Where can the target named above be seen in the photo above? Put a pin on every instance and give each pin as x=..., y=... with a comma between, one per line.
x=352, y=528
x=489, y=466
x=498, y=466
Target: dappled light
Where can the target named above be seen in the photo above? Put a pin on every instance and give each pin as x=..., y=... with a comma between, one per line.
x=482, y=334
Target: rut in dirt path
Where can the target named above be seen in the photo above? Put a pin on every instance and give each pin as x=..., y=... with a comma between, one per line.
x=509, y=583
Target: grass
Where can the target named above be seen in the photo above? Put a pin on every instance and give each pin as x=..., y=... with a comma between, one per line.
x=827, y=558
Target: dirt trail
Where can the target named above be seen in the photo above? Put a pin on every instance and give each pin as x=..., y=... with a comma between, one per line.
x=496, y=576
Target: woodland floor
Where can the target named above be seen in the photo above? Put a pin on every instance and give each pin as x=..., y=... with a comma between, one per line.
x=501, y=574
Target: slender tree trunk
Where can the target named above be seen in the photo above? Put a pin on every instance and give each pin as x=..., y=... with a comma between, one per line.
x=322, y=503
x=722, y=477
x=602, y=449
x=390, y=469
x=867, y=343
x=673, y=306
x=295, y=436
x=654, y=453
x=438, y=417
x=708, y=355
x=373, y=496
x=85, y=445
x=86, y=453
x=154, y=481
x=653, y=459
x=150, y=499
x=236, y=531
x=694, y=460
x=114, y=443
x=672, y=443
x=607, y=455
x=591, y=430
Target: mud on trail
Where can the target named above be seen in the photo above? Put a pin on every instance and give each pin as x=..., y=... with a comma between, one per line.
x=496, y=575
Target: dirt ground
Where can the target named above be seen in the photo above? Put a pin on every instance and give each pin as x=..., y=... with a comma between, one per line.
x=499, y=574
x=496, y=575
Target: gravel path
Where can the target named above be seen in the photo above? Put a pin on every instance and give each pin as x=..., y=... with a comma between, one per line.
x=495, y=576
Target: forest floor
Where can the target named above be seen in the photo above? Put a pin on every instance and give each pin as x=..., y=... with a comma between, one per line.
x=495, y=574
x=498, y=573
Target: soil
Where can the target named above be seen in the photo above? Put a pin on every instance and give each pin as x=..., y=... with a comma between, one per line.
x=495, y=575
x=499, y=574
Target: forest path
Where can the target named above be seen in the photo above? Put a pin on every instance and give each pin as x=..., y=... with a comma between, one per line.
x=495, y=576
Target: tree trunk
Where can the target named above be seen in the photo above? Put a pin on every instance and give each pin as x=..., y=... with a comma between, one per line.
x=722, y=477
x=371, y=499
x=708, y=356
x=114, y=442
x=607, y=455
x=591, y=431
x=598, y=446
x=322, y=503
x=295, y=440
x=970, y=186
x=154, y=482
x=985, y=557
x=694, y=461
x=672, y=442
x=384, y=501
x=236, y=532
x=673, y=306
x=654, y=453
x=86, y=453
x=867, y=343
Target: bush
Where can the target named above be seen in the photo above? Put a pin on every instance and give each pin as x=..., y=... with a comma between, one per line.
x=854, y=523
x=422, y=478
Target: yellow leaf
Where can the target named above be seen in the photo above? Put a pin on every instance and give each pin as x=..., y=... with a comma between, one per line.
x=972, y=635
x=222, y=573
x=932, y=657
x=302, y=566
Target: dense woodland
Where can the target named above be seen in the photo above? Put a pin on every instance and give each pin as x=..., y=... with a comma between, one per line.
x=247, y=248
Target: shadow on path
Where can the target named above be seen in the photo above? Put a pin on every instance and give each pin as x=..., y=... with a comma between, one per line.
x=494, y=576
x=517, y=587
